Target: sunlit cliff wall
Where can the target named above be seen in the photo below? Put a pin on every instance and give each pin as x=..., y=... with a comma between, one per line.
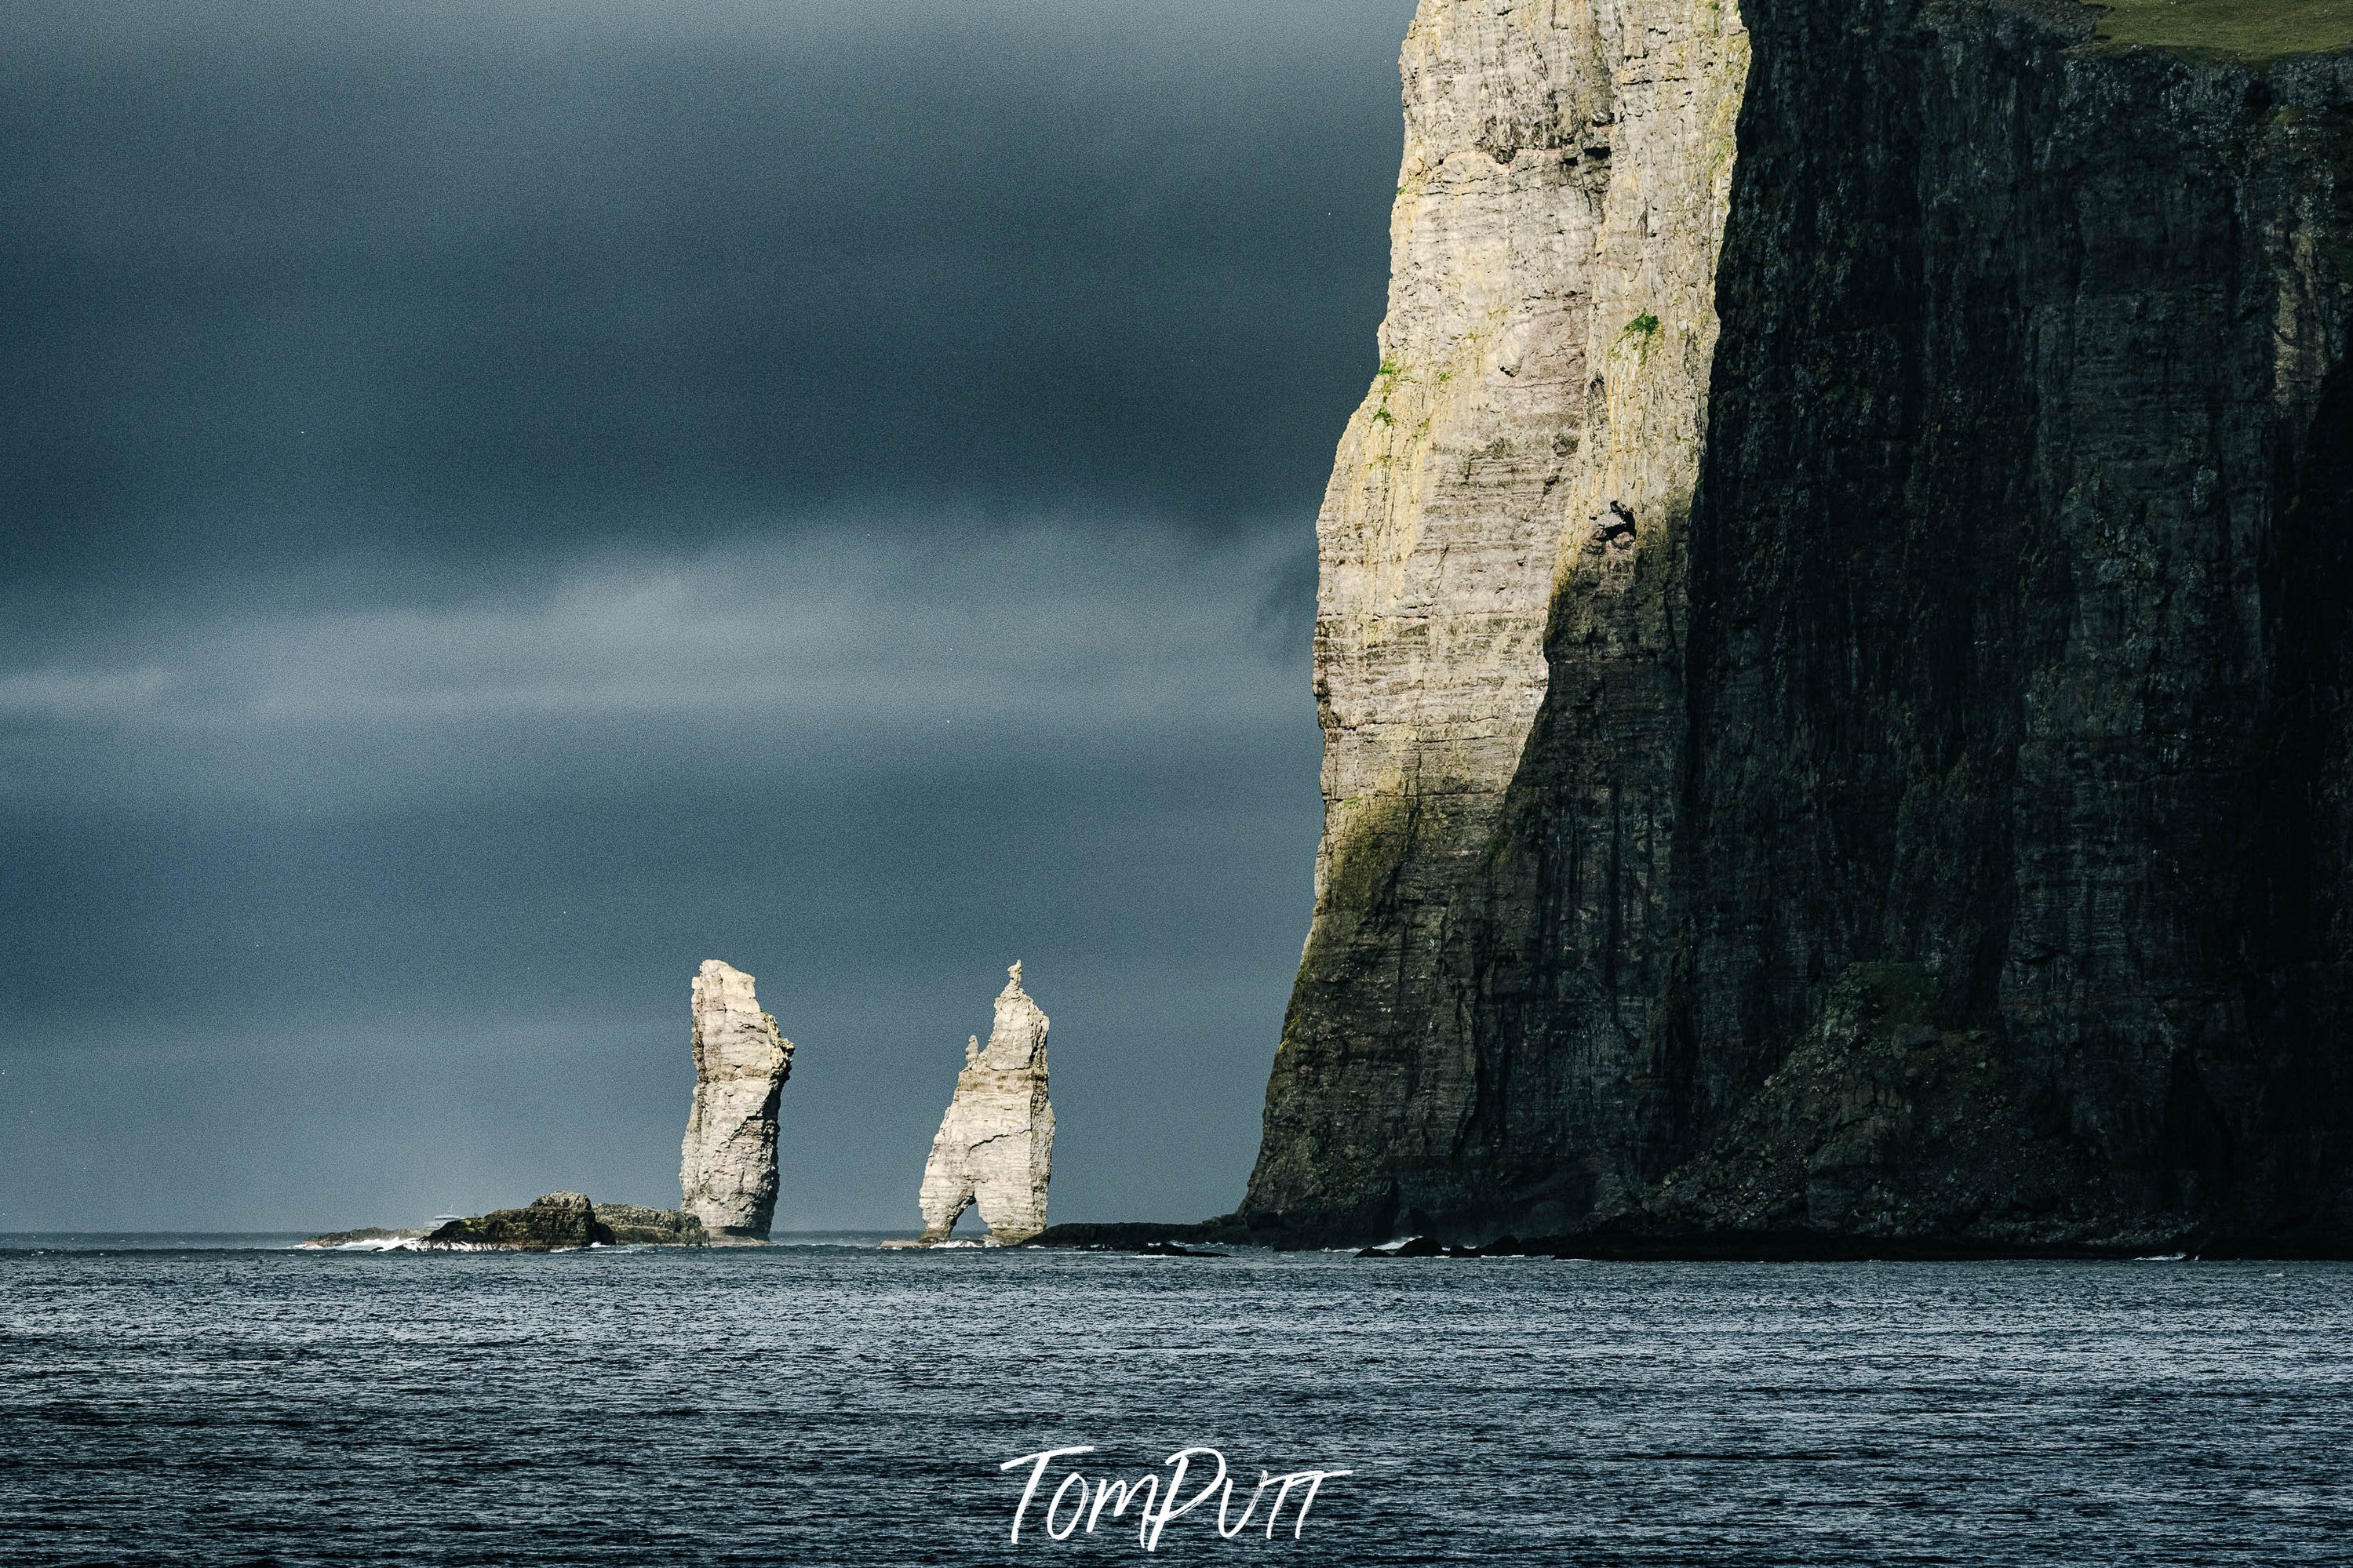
x=1871, y=764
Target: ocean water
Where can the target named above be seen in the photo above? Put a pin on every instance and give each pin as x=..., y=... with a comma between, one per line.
x=838, y=1404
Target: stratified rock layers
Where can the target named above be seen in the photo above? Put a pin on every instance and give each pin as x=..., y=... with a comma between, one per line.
x=1525, y=458
x=728, y=1172
x=1930, y=817
x=996, y=1145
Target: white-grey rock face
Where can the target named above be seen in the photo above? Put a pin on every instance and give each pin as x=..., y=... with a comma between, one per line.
x=728, y=1173
x=1504, y=531
x=996, y=1145
x=1543, y=371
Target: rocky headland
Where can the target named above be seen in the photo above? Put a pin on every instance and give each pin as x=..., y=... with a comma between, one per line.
x=1832, y=644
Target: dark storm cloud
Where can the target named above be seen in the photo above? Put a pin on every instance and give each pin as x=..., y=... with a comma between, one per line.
x=821, y=643
x=397, y=276
x=499, y=503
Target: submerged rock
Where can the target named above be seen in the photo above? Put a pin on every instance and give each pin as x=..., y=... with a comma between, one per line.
x=996, y=1145
x=728, y=1169
x=366, y=1235
x=1133, y=1236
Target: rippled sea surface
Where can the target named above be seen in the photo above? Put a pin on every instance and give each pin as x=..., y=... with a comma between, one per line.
x=838, y=1405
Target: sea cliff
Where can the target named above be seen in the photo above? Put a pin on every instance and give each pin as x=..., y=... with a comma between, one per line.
x=1829, y=642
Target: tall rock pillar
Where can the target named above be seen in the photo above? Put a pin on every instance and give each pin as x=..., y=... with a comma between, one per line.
x=728, y=1172
x=996, y=1145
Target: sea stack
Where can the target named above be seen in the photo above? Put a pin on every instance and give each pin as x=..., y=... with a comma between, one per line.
x=996, y=1145
x=728, y=1173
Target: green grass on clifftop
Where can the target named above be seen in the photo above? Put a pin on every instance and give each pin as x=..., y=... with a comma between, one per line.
x=2251, y=31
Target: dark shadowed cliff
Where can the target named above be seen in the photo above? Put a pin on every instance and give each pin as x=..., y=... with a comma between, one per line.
x=1924, y=821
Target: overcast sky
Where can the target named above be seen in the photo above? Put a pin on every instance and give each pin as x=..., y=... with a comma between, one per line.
x=502, y=502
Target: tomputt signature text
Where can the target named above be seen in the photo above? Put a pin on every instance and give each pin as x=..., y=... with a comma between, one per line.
x=1079, y=1499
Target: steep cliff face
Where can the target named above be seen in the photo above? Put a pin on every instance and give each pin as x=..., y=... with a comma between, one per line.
x=1932, y=823
x=1543, y=372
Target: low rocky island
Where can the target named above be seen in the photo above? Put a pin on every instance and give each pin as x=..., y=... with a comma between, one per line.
x=557, y=1222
